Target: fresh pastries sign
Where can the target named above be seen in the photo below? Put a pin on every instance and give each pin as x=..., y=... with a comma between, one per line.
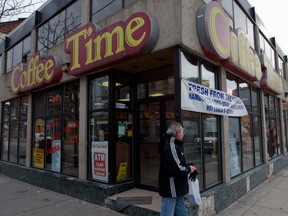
x=199, y=98
x=91, y=49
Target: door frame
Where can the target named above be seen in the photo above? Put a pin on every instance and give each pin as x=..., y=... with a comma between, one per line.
x=162, y=100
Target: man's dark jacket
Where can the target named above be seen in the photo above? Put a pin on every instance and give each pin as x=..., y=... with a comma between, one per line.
x=173, y=170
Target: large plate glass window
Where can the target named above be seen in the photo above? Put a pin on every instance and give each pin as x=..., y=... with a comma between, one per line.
x=55, y=128
x=202, y=131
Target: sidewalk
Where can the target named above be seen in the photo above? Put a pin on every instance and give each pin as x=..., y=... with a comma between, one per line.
x=268, y=199
x=21, y=199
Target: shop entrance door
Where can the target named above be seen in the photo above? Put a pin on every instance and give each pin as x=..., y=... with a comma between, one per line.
x=154, y=117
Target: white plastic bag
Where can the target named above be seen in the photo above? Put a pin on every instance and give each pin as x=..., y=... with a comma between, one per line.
x=194, y=193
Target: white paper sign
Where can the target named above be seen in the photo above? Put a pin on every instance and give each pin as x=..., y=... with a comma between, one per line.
x=56, y=155
x=99, y=155
x=199, y=98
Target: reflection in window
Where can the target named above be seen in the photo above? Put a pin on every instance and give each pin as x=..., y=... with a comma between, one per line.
x=154, y=85
x=55, y=30
x=235, y=146
x=245, y=140
x=18, y=54
x=14, y=130
x=98, y=128
x=190, y=69
x=208, y=76
x=285, y=117
x=272, y=111
x=70, y=145
x=267, y=49
x=56, y=129
x=54, y=102
x=123, y=132
x=99, y=93
x=238, y=19
x=202, y=131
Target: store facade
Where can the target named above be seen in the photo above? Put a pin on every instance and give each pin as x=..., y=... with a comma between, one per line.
x=88, y=91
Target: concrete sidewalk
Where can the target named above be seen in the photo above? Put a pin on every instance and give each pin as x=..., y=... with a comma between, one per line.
x=268, y=199
x=21, y=199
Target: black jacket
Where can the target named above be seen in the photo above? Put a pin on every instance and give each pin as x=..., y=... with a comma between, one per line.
x=173, y=170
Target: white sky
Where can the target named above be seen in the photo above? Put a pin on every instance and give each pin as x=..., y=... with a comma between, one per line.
x=274, y=15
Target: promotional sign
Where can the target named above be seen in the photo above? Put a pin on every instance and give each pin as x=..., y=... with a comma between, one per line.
x=56, y=155
x=198, y=98
x=234, y=160
x=38, y=158
x=91, y=49
x=99, y=155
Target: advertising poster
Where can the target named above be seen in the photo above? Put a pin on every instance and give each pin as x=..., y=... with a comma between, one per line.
x=99, y=155
x=38, y=158
x=56, y=155
x=234, y=160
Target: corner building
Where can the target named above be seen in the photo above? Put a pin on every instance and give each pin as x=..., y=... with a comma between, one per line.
x=88, y=89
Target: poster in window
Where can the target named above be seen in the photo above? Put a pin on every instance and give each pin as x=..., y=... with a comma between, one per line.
x=99, y=155
x=38, y=158
x=234, y=160
x=56, y=155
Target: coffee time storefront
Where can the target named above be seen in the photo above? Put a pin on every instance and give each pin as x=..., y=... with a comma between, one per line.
x=85, y=111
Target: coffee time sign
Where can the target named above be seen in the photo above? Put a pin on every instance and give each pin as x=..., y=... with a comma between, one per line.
x=232, y=48
x=92, y=49
x=38, y=72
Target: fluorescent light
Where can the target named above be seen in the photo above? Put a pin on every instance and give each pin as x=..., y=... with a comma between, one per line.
x=124, y=99
x=106, y=84
x=156, y=95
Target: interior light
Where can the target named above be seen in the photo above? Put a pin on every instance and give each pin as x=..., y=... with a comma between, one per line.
x=106, y=84
x=124, y=99
x=156, y=95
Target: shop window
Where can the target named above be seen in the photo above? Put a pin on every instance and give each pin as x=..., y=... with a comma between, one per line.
x=1, y=72
x=55, y=128
x=156, y=83
x=202, y=131
x=280, y=69
x=272, y=118
x=14, y=130
x=244, y=132
x=285, y=117
x=238, y=19
x=55, y=30
x=17, y=54
x=123, y=132
x=110, y=92
x=98, y=128
x=266, y=48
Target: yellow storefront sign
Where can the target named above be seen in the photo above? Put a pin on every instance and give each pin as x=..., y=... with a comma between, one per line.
x=38, y=158
x=122, y=171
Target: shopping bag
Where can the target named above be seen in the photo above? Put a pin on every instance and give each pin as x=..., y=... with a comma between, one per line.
x=193, y=196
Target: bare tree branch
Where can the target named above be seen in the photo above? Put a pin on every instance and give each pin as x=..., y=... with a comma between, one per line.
x=9, y=9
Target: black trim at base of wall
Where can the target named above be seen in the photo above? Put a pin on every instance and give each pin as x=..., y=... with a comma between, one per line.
x=227, y=194
x=89, y=191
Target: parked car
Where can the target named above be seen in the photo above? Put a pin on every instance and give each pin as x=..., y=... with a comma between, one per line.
x=209, y=144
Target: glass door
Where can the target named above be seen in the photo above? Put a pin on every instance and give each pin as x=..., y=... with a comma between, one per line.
x=154, y=119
